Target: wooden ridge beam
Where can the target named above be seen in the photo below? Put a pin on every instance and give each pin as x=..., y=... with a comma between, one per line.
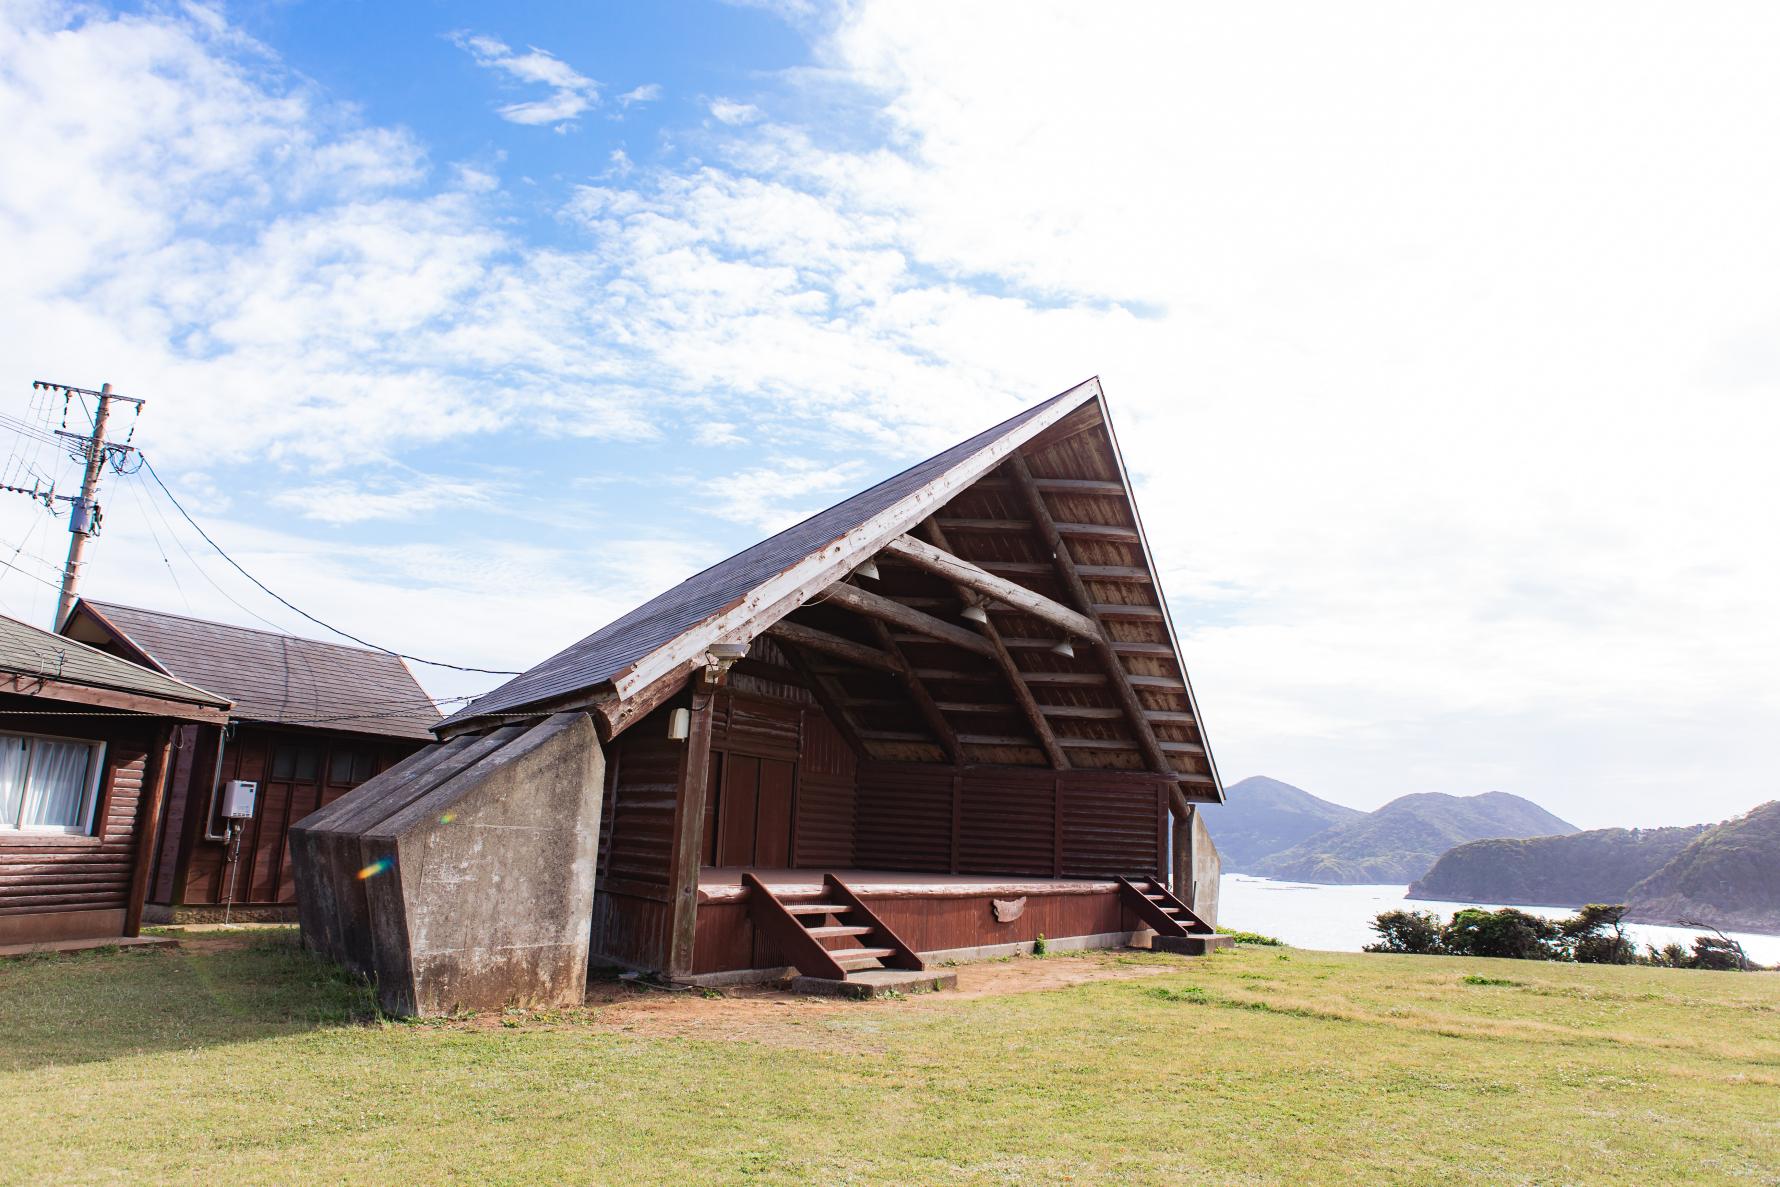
x=1041, y=729
x=815, y=640
x=871, y=605
x=942, y=563
x=1123, y=684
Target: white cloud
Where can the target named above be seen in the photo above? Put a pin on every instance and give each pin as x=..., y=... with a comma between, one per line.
x=1448, y=400
x=390, y=498
x=729, y=111
x=772, y=497
x=649, y=92
x=571, y=92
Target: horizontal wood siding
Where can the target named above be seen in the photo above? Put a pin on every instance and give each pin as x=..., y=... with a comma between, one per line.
x=645, y=786
x=905, y=817
x=1008, y=822
x=85, y=877
x=1110, y=826
x=827, y=771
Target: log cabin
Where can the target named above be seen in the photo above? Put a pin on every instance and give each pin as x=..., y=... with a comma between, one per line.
x=311, y=720
x=936, y=721
x=86, y=745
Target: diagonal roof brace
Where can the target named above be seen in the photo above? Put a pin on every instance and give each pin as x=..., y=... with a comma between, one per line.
x=1015, y=596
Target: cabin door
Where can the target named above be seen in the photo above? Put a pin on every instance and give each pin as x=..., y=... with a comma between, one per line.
x=754, y=811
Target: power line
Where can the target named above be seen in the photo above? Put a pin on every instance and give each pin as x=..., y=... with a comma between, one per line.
x=264, y=588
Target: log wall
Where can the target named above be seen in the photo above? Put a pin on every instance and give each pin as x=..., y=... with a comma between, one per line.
x=56, y=887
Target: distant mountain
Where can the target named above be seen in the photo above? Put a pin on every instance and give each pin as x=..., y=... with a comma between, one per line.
x=1261, y=816
x=1401, y=840
x=1599, y=866
x=1729, y=876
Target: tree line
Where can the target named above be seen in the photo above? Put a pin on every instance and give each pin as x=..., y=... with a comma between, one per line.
x=1594, y=935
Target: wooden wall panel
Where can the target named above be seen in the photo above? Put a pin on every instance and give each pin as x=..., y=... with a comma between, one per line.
x=264, y=878
x=904, y=816
x=643, y=795
x=1008, y=822
x=1110, y=826
x=85, y=878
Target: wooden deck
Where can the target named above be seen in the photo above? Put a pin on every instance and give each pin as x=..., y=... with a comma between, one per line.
x=724, y=883
x=941, y=916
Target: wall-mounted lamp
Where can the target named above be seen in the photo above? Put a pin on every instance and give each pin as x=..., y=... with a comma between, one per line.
x=1063, y=648
x=976, y=614
x=680, y=724
x=868, y=570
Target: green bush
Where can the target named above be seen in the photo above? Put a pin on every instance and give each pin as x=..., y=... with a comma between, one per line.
x=1419, y=933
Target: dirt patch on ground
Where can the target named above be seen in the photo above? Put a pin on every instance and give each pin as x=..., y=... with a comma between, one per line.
x=772, y=1014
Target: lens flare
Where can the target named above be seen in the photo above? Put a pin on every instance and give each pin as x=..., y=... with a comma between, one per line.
x=447, y=817
x=379, y=866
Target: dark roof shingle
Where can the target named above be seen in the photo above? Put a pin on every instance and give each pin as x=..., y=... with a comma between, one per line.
x=619, y=644
x=280, y=679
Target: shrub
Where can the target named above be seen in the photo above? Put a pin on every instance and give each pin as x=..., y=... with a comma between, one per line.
x=1510, y=933
x=1596, y=935
x=1416, y=932
x=1251, y=937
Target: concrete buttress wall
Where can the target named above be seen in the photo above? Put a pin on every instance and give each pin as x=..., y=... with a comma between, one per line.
x=462, y=878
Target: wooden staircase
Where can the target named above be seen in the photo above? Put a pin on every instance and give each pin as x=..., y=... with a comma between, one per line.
x=827, y=933
x=1177, y=928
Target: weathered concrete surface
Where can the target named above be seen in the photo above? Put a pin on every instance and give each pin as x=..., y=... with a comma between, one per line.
x=873, y=983
x=1197, y=866
x=462, y=878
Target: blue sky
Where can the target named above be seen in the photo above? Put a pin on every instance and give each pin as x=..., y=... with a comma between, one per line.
x=1442, y=344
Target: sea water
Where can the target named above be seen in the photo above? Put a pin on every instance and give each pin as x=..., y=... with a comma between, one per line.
x=1339, y=918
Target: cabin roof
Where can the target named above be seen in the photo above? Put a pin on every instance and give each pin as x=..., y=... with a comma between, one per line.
x=36, y=654
x=271, y=677
x=977, y=692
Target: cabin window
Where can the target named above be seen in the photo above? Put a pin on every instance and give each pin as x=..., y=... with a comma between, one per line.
x=48, y=785
x=295, y=764
x=350, y=766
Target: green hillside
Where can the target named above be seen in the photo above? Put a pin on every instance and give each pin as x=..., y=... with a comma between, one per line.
x=1260, y=816
x=1400, y=841
x=1598, y=866
x=1729, y=877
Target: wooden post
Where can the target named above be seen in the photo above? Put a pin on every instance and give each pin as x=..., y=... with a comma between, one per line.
x=148, y=825
x=689, y=820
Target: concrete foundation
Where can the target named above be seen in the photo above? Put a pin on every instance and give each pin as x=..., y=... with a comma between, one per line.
x=462, y=878
x=1195, y=945
x=863, y=986
x=1197, y=866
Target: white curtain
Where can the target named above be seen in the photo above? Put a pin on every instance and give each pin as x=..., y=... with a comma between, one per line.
x=56, y=792
x=14, y=756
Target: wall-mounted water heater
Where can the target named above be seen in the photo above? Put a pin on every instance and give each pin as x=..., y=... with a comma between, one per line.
x=238, y=798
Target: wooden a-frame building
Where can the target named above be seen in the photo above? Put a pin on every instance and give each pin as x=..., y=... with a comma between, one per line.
x=939, y=719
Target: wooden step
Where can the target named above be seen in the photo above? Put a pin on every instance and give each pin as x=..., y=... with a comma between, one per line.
x=854, y=955
x=822, y=933
x=817, y=908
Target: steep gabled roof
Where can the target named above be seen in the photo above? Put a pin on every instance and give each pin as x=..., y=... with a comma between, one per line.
x=696, y=606
x=272, y=678
x=1072, y=663
x=33, y=654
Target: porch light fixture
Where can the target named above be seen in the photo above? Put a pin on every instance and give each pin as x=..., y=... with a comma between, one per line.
x=1063, y=648
x=679, y=725
x=869, y=570
x=975, y=613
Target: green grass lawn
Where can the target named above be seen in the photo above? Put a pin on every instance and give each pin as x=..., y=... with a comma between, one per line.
x=245, y=1062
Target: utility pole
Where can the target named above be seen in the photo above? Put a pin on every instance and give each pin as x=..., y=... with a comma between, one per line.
x=83, y=519
x=84, y=515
